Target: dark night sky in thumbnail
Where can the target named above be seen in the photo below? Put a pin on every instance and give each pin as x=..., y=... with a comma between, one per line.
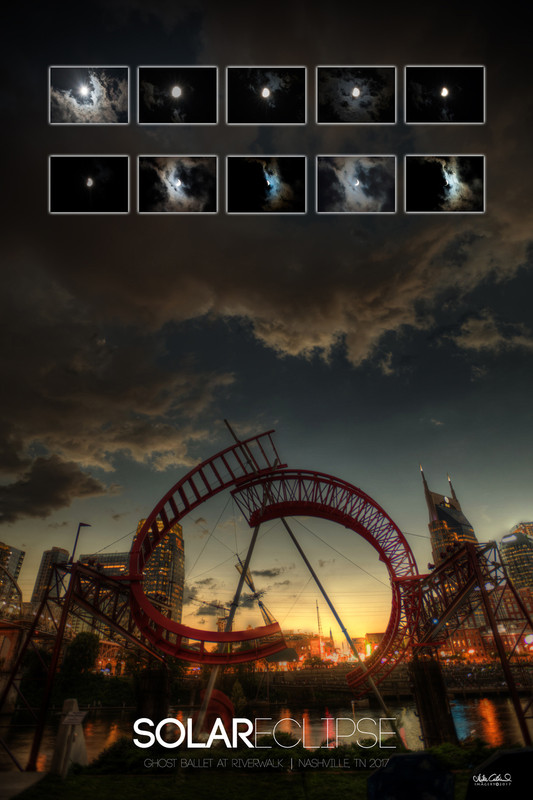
x=370, y=342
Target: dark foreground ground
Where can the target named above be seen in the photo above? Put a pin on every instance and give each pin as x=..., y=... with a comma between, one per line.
x=291, y=773
x=214, y=785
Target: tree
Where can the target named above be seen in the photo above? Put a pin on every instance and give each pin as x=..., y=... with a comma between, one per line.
x=80, y=656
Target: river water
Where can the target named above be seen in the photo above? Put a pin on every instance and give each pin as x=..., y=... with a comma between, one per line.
x=491, y=720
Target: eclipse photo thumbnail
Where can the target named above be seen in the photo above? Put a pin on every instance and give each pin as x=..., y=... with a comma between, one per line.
x=89, y=95
x=356, y=95
x=266, y=95
x=356, y=185
x=444, y=184
x=445, y=95
x=89, y=184
x=266, y=184
x=177, y=95
x=177, y=184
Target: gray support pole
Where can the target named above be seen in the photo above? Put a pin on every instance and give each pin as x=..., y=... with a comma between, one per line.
x=369, y=679
x=229, y=622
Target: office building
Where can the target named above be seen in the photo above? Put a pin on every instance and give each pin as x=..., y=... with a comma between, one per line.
x=163, y=574
x=50, y=558
x=11, y=560
x=517, y=554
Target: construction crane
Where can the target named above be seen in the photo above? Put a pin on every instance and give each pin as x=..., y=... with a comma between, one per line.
x=320, y=643
x=268, y=618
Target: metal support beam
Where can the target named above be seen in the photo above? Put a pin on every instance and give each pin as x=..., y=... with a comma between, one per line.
x=229, y=622
x=369, y=679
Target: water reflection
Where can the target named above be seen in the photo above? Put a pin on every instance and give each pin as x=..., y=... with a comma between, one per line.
x=489, y=721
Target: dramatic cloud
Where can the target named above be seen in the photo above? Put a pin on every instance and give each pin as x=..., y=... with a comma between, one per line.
x=48, y=485
x=96, y=311
x=85, y=399
x=484, y=333
x=268, y=573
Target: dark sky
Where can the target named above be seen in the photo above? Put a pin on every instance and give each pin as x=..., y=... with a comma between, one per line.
x=370, y=342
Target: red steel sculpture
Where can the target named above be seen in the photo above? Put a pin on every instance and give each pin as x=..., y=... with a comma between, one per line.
x=266, y=490
x=254, y=456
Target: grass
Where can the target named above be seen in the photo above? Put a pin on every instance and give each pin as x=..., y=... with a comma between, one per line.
x=121, y=772
x=208, y=784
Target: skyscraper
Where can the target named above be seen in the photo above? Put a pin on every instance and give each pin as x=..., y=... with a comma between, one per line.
x=517, y=554
x=448, y=526
x=11, y=560
x=523, y=527
x=57, y=555
x=164, y=574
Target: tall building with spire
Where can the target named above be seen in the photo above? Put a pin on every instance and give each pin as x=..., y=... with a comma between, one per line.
x=448, y=526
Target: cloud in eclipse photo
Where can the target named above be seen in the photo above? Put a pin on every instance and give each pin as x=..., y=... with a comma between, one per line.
x=356, y=94
x=177, y=184
x=356, y=184
x=177, y=95
x=262, y=96
x=89, y=95
x=274, y=184
x=444, y=183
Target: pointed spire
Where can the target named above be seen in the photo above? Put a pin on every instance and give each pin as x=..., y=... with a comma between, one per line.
x=452, y=490
x=429, y=498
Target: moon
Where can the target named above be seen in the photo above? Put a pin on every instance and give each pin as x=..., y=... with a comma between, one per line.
x=356, y=183
x=176, y=91
x=356, y=91
x=178, y=183
x=444, y=92
x=89, y=183
x=265, y=92
x=84, y=90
